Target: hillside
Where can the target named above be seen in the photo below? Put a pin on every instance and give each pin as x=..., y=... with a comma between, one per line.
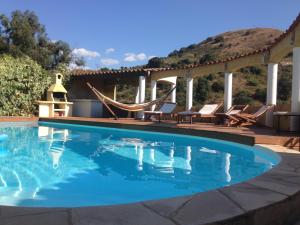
x=249, y=84
x=220, y=47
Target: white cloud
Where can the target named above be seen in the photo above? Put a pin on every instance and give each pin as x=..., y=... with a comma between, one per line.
x=132, y=57
x=109, y=50
x=109, y=61
x=82, y=52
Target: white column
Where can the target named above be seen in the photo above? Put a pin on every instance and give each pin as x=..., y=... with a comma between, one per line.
x=295, y=89
x=173, y=94
x=153, y=92
x=227, y=91
x=137, y=95
x=271, y=91
x=142, y=91
x=189, y=93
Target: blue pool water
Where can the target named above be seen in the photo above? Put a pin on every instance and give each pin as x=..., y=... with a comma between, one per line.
x=59, y=165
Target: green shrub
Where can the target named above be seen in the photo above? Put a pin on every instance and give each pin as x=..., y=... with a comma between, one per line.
x=193, y=46
x=210, y=77
x=252, y=82
x=209, y=39
x=284, y=88
x=185, y=62
x=255, y=70
x=202, y=90
x=174, y=53
x=219, y=39
x=241, y=98
x=251, y=70
x=22, y=82
x=207, y=58
x=155, y=63
x=218, y=86
x=260, y=94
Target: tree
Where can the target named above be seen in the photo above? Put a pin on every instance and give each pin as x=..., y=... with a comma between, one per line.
x=185, y=62
x=207, y=58
x=80, y=62
x=242, y=98
x=219, y=39
x=155, y=63
x=202, y=90
x=22, y=34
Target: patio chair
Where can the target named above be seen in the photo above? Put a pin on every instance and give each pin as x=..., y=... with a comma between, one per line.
x=207, y=111
x=227, y=118
x=243, y=119
x=166, y=109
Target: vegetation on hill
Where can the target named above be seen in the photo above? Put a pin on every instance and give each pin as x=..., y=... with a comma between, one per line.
x=249, y=84
x=219, y=47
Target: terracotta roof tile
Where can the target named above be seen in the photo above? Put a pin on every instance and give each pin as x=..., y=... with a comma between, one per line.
x=82, y=72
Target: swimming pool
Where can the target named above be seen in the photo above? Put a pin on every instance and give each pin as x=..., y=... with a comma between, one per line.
x=60, y=165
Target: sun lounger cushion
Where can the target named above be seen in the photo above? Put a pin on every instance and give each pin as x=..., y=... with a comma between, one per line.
x=208, y=109
x=205, y=110
x=233, y=112
x=167, y=107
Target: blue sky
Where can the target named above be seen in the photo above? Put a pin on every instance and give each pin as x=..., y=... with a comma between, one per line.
x=116, y=33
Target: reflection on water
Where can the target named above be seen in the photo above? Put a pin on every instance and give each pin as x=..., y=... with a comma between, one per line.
x=54, y=166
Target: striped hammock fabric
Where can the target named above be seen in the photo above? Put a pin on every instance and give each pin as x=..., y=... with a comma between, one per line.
x=129, y=107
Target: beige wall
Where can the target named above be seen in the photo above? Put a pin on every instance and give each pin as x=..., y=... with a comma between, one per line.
x=78, y=88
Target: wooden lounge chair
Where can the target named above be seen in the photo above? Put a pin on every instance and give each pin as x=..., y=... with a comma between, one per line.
x=244, y=119
x=207, y=111
x=166, y=109
x=227, y=118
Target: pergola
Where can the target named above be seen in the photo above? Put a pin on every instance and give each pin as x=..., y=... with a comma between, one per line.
x=288, y=42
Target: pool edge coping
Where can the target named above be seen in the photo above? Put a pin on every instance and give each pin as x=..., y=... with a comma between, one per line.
x=238, y=138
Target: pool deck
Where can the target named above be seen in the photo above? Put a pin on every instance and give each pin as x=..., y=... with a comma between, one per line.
x=271, y=198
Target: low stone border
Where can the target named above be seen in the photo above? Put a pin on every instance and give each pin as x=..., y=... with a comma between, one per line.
x=272, y=198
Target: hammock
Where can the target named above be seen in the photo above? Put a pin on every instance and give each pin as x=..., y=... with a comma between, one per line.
x=128, y=107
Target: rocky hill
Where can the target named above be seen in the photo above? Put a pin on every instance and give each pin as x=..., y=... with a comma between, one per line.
x=219, y=47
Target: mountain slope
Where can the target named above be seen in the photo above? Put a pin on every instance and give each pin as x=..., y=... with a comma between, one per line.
x=220, y=47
